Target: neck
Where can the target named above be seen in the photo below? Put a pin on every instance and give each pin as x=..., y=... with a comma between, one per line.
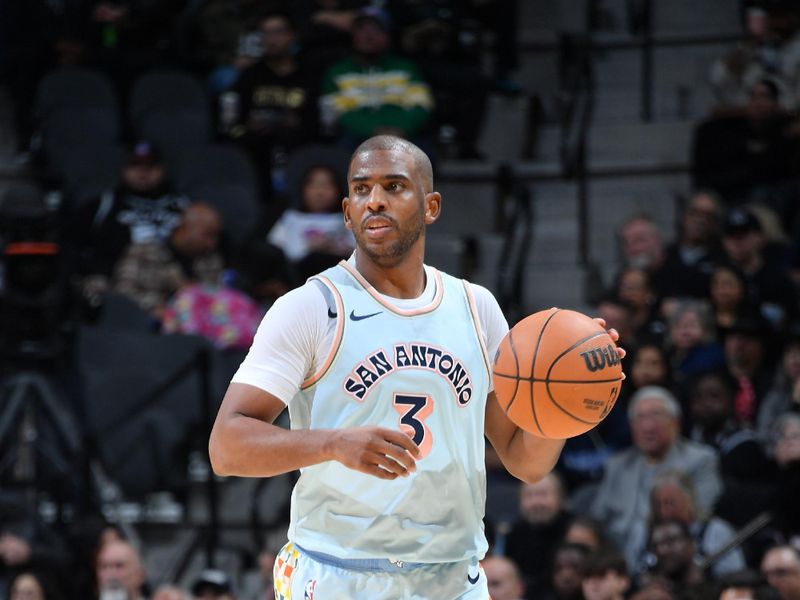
x=404, y=279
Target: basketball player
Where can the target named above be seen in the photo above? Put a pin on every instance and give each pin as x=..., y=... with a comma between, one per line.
x=384, y=363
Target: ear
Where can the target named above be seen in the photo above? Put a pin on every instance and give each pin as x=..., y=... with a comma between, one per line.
x=346, y=212
x=433, y=207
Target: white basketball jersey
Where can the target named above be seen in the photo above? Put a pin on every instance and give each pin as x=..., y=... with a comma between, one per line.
x=422, y=371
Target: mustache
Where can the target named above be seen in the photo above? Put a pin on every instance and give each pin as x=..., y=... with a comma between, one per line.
x=383, y=218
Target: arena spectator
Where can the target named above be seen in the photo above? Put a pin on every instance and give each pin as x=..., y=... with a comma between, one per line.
x=649, y=366
x=541, y=526
x=747, y=347
x=674, y=552
x=642, y=244
x=768, y=285
x=222, y=40
x=26, y=541
x=784, y=395
x=785, y=447
x=120, y=571
x=444, y=40
x=622, y=502
x=326, y=29
x=781, y=567
x=689, y=260
x=277, y=101
x=588, y=532
x=31, y=585
x=213, y=584
x=143, y=208
x=736, y=155
x=606, y=577
x=151, y=273
x=307, y=238
x=374, y=91
x=566, y=574
x=633, y=288
x=771, y=48
x=673, y=498
x=745, y=585
x=503, y=577
x=691, y=340
x=728, y=296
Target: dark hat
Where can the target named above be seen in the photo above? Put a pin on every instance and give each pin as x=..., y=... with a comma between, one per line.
x=214, y=580
x=739, y=220
x=143, y=152
x=376, y=15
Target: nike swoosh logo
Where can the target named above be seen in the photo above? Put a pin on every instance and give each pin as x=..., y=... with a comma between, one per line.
x=355, y=317
x=331, y=314
x=473, y=580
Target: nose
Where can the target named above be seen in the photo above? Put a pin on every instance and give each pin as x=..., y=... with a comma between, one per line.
x=377, y=199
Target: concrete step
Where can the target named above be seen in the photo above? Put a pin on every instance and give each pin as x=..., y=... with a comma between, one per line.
x=660, y=142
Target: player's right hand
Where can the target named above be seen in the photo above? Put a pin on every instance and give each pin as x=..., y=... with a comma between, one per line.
x=377, y=451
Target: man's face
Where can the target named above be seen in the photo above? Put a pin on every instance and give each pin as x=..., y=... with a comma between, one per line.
x=540, y=502
x=654, y=430
x=781, y=567
x=671, y=502
x=641, y=244
x=277, y=37
x=672, y=548
x=118, y=564
x=504, y=584
x=742, y=247
x=711, y=403
x=743, y=352
x=568, y=567
x=387, y=205
x=700, y=220
x=143, y=177
x=761, y=104
x=370, y=38
x=608, y=586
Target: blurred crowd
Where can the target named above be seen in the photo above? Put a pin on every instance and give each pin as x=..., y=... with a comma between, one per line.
x=705, y=440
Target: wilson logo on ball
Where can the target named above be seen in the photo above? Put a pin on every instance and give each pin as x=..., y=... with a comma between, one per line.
x=600, y=358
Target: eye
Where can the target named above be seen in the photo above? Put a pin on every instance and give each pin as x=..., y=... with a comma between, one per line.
x=394, y=186
x=360, y=188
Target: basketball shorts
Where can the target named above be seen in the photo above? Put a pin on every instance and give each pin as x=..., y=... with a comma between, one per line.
x=304, y=575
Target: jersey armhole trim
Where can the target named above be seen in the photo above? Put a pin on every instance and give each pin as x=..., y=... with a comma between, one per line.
x=476, y=323
x=403, y=312
x=337, y=338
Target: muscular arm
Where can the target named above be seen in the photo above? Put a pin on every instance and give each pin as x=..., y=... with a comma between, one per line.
x=525, y=456
x=244, y=442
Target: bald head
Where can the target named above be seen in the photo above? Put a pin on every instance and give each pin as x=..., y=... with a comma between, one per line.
x=393, y=143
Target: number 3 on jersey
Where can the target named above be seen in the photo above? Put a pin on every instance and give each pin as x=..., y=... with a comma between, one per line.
x=414, y=409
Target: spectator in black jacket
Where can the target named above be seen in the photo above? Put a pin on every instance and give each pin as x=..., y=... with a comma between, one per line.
x=144, y=208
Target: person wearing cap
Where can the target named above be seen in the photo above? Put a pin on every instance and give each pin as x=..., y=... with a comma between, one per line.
x=374, y=91
x=143, y=208
x=768, y=283
x=212, y=584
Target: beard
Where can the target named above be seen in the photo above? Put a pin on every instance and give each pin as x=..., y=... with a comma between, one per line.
x=392, y=253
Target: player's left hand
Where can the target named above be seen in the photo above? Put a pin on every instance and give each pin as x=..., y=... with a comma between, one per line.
x=614, y=334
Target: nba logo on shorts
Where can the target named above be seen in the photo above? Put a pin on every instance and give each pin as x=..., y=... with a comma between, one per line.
x=309, y=593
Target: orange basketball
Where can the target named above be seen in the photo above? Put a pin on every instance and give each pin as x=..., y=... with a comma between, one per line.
x=557, y=373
